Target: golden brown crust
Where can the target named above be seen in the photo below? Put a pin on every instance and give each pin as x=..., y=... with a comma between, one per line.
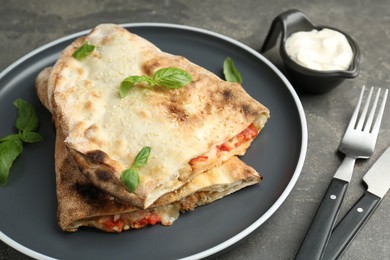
x=55, y=73
x=94, y=166
x=80, y=203
x=77, y=197
x=41, y=83
x=179, y=124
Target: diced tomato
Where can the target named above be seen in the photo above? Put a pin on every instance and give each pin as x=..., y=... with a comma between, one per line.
x=198, y=159
x=250, y=132
x=247, y=134
x=224, y=147
x=240, y=140
x=151, y=219
x=114, y=225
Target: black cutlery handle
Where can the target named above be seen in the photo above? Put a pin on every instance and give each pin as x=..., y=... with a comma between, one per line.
x=350, y=225
x=320, y=229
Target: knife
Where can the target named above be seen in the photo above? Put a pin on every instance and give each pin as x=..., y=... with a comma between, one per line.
x=378, y=182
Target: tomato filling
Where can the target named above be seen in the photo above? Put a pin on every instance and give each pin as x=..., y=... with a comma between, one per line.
x=247, y=134
x=198, y=159
x=117, y=225
x=112, y=224
x=152, y=219
x=224, y=147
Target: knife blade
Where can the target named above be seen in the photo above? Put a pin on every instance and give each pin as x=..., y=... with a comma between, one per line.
x=378, y=183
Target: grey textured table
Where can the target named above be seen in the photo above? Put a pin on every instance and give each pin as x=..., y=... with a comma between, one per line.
x=26, y=25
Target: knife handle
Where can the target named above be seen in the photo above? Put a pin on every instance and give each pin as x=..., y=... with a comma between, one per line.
x=350, y=225
x=320, y=229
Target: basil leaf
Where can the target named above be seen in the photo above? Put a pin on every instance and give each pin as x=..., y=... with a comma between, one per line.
x=230, y=71
x=125, y=88
x=27, y=119
x=128, y=83
x=83, y=51
x=11, y=146
x=142, y=157
x=130, y=178
x=9, y=151
x=10, y=138
x=172, y=77
x=167, y=77
x=30, y=137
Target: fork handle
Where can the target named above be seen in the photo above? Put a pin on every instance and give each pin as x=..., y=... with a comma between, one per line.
x=320, y=229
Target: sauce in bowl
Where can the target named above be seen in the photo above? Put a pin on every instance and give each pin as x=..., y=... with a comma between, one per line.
x=316, y=58
x=322, y=50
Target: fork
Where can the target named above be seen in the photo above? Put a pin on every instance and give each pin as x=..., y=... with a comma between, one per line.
x=358, y=142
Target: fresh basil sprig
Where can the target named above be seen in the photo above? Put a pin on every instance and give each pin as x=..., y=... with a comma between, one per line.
x=130, y=177
x=230, y=71
x=9, y=151
x=11, y=146
x=167, y=77
x=83, y=51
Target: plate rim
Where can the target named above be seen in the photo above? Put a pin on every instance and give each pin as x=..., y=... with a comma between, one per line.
x=303, y=124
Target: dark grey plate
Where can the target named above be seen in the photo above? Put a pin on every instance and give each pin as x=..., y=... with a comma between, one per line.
x=28, y=203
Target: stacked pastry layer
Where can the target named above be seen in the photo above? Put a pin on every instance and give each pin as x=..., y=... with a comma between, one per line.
x=195, y=134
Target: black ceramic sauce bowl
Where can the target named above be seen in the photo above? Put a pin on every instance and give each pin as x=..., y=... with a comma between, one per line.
x=305, y=79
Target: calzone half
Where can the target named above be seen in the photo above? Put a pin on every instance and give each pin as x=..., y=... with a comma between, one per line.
x=189, y=129
x=80, y=203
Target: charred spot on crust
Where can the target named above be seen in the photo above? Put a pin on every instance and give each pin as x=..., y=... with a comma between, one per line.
x=96, y=198
x=227, y=94
x=248, y=110
x=89, y=192
x=88, y=106
x=150, y=67
x=207, y=108
x=103, y=175
x=178, y=112
x=221, y=98
x=96, y=156
x=245, y=109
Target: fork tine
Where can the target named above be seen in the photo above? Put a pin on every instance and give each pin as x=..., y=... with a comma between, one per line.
x=375, y=129
x=368, y=124
x=364, y=112
x=352, y=122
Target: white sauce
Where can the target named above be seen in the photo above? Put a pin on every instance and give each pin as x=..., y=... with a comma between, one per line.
x=320, y=50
